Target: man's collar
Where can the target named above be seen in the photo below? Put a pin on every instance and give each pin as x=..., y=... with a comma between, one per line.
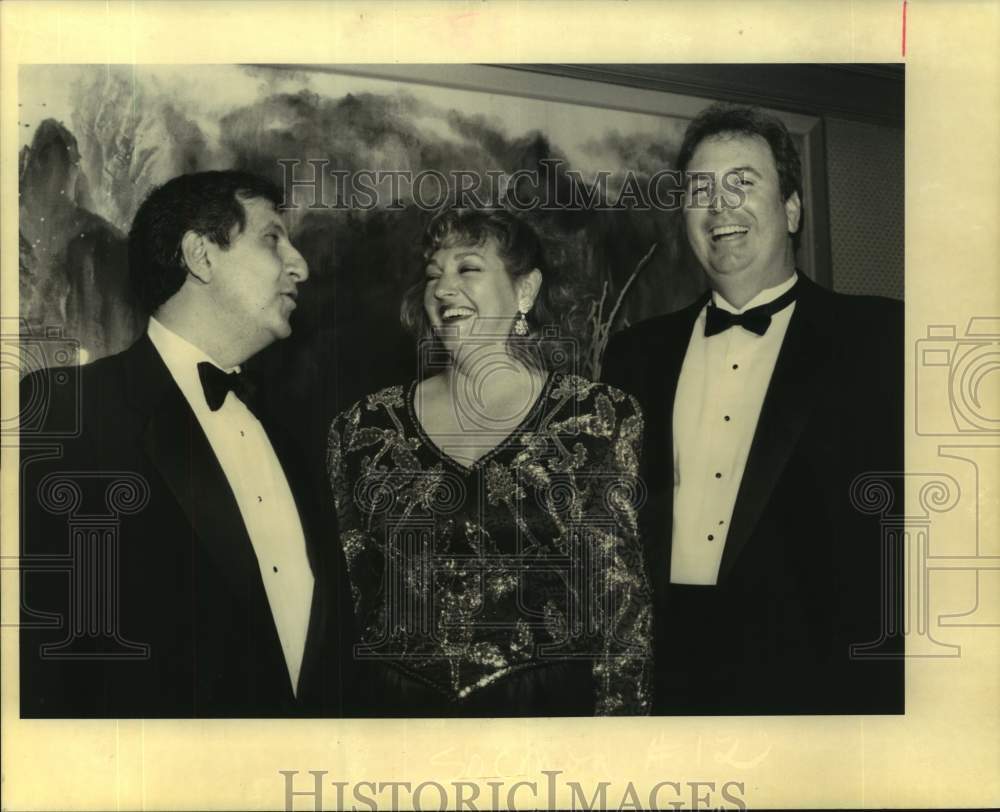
x=762, y=298
x=178, y=349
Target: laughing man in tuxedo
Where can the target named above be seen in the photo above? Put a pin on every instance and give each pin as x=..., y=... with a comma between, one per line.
x=219, y=600
x=764, y=400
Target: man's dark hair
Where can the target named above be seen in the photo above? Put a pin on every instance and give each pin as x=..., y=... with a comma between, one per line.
x=207, y=203
x=734, y=119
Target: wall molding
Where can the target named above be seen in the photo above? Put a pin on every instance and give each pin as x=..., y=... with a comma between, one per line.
x=874, y=93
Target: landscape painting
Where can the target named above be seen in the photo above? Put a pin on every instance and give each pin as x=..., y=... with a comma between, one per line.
x=365, y=161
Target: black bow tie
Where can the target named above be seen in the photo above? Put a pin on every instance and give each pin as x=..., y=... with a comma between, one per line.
x=217, y=384
x=756, y=319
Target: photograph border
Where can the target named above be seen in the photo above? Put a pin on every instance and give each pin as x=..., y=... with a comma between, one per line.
x=942, y=753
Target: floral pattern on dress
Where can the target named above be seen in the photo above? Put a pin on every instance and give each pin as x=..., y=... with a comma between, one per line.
x=464, y=575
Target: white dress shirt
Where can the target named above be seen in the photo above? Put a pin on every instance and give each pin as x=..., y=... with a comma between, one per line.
x=719, y=396
x=258, y=482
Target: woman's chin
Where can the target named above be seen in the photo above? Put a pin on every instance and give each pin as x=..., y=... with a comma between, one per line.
x=456, y=334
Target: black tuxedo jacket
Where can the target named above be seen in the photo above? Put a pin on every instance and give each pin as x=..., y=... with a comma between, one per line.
x=803, y=572
x=141, y=593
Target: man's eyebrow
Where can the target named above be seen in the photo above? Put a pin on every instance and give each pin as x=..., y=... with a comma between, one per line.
x=275, y=223
x=707, y=175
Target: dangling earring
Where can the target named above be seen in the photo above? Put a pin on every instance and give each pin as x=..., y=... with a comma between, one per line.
x=520, y=324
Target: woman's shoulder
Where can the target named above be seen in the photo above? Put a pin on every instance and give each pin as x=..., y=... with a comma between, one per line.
x=578, y=389
x=367, y=421
x=373, y=409
x=390, y=398
x=385, y=399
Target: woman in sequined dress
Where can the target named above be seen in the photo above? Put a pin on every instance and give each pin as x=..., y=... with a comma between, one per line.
x=487, y=509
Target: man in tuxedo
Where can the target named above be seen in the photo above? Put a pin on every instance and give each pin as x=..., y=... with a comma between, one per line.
x=764, y=401
x=177, y=561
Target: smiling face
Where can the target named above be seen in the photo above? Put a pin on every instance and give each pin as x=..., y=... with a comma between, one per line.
x=469, y=293
x=254, y=281
x=737, y=223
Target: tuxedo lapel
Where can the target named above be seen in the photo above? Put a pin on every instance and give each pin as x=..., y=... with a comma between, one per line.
x=791, y=397
x=663, y=371
x=326, y=674
x=177, y=447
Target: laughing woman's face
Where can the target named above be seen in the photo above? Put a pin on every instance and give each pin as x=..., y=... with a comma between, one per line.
x=469, y=295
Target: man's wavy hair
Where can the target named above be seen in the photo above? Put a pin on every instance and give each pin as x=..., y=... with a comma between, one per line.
x=551, y=343
x=725, y=119
x=208, y=203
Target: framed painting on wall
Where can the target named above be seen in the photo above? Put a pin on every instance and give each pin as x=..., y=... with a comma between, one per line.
x=365, y=154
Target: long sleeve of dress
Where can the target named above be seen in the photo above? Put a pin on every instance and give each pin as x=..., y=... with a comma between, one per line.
x=349, y=522
x=622, y=673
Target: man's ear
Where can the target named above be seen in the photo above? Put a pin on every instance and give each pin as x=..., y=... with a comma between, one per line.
x=527, y=288
x=194, y=251
x=793, y=212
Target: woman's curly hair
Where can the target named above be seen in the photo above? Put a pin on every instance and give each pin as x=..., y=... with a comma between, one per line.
x=554, y=320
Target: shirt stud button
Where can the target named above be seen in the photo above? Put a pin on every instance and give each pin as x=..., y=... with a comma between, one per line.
x=726, y=418
x=260, y=498
x=736, y=366
x=718, y=475
x=275, y=569
x=711, y=537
